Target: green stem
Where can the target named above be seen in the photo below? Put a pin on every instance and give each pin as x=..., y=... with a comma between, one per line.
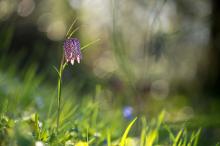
x=59, y=85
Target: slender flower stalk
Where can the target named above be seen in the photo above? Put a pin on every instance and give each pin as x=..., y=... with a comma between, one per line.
x=71, y=53
x=59, y=84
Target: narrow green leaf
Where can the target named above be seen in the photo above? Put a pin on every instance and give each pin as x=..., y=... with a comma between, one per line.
x=197, y=137
x=108, y=138
x=185, y=138
x=73, y=32
x=82, y=48
x=74, y=21
x=143, y=131
x=192, y=137
x=64, y=65
x=37, y=129
x=122, y=143
x=180, y=142
x=151, y=137
x=55, y=68
x=160, y=118
x=178, y=137
x=172, y=137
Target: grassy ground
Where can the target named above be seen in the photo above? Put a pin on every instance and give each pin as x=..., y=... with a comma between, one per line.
x=29, y=112
x=98, y=117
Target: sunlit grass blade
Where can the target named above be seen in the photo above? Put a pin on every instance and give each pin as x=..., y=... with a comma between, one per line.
x=143, y=131
x=36, y=125
x=108, y=138
x=153, y=134
x=185, y=137
x=67, y=112
x=192, y=137
x=91, y=141
x=171, y=135
x=94, y=116
x=160, y=118
x=197, y=137
x=177, y=138
x=180, y=142
x=151, y=137
x=123, y=139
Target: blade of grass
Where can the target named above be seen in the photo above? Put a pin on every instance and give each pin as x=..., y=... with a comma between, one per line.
x=192, y=137
x=178, y=137
x=49, y=113
x=122, y=143
x=74, y=21
x=36, y=124
x=108, y=138
x=171, y=135
x=66, y=115
x=197, y=137
x=82, y=48
x=55, y=68
x=143, y=131
x=151, y=137
x=185, y=137
x=180, y=142
x=73, y=32
x=160, y=118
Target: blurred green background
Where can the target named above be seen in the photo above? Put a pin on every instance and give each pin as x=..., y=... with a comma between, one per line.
x=152, y=55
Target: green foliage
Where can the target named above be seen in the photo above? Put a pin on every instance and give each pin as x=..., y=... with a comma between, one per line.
x=28, y=115
x=81, y=123
x=123, y=139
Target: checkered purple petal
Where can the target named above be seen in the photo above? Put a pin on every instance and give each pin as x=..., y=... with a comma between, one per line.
x=72, y=50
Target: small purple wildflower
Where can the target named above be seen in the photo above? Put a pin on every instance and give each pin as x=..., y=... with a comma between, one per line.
x=72, y=50
x=128, y=112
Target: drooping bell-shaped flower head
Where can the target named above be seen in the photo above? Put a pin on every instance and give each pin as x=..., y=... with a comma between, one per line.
x=72, y=50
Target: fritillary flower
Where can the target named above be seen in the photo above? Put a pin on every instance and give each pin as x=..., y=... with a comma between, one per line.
x=72, y=50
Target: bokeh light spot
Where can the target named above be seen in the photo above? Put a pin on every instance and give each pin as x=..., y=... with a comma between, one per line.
x=25, y=7
x=56, y=30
